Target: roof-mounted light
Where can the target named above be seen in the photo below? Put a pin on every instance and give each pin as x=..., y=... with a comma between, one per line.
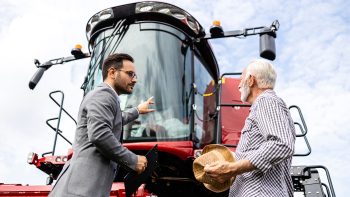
x=145, y=8
x=142, y=12
x=164, y=11
x=106, y=14
x=170, y=10
x=95, y=19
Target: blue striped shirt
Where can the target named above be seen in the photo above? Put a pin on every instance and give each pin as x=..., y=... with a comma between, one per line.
x=267, y=141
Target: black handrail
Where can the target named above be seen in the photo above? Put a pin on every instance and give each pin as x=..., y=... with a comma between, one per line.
x=42, y=155
x=301, y=117
x=60, y=131
x=303, y=133
x=53, y=99
x=56, y=129
x=327, y=189
x=58, y=120
x=303, y=129
x=308, y=147
x=327, y=174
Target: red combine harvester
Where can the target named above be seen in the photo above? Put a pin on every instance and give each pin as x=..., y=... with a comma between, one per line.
x=196, y=105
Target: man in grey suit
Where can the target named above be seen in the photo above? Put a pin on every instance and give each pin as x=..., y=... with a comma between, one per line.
x=97, y=147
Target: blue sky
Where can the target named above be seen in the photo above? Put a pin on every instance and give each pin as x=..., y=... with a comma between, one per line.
x=312, y=64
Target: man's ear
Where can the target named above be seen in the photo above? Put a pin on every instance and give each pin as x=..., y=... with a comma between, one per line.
x=252, y=81
x=111, y=73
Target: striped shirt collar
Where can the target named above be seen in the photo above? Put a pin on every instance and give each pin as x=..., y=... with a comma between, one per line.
x=266, y=92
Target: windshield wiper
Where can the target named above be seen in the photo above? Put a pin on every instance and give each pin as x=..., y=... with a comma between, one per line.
x=120, y=30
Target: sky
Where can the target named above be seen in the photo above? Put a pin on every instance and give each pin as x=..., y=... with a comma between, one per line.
x=312, y=65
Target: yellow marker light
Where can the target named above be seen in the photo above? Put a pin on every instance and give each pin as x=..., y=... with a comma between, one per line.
x=76, y=51
x=78, y=46
x=216, y=23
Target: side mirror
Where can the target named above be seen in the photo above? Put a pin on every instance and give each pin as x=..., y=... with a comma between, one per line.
x=267, y=45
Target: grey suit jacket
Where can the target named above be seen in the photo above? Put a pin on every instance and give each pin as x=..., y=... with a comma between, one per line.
x=97, y=149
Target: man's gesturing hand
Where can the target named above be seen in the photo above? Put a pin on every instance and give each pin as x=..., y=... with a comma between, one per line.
x=141, y=164
x=143, y=107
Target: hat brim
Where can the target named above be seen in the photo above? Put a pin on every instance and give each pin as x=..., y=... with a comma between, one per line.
x=228, y=155
x=219, y=187
x=226, y=152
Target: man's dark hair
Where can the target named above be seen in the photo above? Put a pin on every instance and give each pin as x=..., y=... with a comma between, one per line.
x=115, y=61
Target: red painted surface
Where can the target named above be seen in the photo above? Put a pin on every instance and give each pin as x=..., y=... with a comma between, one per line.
x=24, y=190
x=182, y=149
x=57, y=159
x=118, y=190
x=232, y=118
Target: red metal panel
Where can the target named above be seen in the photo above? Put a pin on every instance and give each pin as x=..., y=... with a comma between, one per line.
x=118, y=189
x=232, y=118
x=24, y=190
x=12, y=190
x=182, y=149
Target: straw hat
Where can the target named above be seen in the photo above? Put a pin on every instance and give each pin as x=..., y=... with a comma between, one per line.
x=210, y=154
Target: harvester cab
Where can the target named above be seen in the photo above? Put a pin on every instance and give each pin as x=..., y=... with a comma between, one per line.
x=196, y=105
